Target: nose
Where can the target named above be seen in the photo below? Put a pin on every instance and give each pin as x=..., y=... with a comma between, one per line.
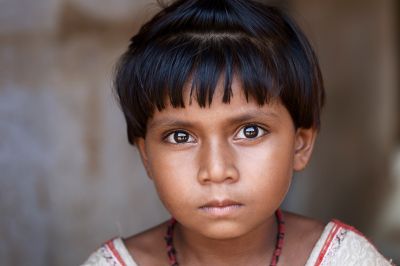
x=217, y=163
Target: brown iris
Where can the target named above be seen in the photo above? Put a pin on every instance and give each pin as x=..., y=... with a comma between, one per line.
x=250, y=131
x=181, y=136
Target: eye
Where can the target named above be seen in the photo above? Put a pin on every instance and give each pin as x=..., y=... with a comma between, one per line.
x=179, y=137
x=250, y=132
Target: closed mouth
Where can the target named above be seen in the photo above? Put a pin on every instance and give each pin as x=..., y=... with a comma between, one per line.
x=221, y=207
x=220, y=203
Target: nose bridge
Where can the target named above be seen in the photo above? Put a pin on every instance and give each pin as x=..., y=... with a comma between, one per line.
x=217, y=162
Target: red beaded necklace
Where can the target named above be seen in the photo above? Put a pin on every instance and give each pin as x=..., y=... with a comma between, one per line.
x=275, y=257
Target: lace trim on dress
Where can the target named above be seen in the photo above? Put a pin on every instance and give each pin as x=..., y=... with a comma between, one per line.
x=341, y=244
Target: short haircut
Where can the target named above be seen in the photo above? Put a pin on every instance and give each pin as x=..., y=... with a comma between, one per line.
x=198, y=42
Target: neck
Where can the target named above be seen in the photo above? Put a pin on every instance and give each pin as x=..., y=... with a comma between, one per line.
x=254, y=248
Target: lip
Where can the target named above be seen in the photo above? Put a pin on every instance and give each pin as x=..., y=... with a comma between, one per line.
x=221, y=207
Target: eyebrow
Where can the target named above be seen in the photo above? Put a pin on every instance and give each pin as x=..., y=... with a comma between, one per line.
x=174, y=122
x=253, y=115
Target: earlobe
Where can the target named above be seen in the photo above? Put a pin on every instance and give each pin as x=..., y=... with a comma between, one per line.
x=304, y=144
x=141, y=145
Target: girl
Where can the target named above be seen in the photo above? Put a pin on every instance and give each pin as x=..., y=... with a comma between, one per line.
x=223, y=100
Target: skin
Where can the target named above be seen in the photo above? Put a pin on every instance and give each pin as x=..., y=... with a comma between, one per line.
x=241, y=152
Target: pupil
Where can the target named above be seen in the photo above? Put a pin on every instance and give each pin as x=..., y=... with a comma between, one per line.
x=251, y=131
x=180, y=137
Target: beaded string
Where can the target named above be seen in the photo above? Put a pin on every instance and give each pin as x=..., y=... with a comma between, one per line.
x=275, y=256
x=279, y=238
x=170, y=245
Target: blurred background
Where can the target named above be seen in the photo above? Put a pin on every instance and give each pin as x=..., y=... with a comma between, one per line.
x=69, y=180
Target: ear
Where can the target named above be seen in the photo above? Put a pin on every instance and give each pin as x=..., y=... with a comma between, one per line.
x=141, y=145
x=304, y=144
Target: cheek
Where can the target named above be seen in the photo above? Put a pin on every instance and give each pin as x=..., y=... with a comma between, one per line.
x=173, y=175
x=267, y=168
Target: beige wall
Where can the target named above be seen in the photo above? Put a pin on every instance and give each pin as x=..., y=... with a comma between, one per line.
x=68, y=178
x=352, y=175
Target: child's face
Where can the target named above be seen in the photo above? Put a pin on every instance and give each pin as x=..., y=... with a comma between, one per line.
x=222, y=171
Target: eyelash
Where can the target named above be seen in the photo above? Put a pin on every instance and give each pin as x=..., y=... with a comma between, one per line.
x=170, y=138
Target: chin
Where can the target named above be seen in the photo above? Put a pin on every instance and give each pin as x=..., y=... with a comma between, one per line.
x=223, y=230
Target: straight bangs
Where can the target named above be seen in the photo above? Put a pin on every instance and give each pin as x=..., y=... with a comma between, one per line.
x=198, y=63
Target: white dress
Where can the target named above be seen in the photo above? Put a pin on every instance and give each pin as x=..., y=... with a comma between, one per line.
x=339, y=245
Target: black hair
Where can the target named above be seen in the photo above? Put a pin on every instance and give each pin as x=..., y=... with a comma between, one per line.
x=202, y=41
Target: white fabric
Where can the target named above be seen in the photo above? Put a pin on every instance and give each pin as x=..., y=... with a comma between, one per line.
x=346, y=247
x=318, y=246
x=104, y=256
x=339, y=245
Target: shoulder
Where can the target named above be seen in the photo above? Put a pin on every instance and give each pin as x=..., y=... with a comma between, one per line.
x=146, y=248
x=306, y=228
x=341, y=243
x=301, y=234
